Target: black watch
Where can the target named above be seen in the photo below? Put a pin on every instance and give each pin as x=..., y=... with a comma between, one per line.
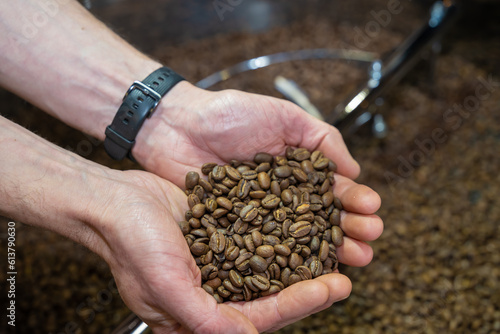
x=139, y=103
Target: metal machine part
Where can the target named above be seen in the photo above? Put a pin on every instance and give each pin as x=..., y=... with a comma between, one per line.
x=382, y=74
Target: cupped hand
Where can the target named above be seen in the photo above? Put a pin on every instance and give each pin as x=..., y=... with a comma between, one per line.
x=159, y=280
x=192, y=126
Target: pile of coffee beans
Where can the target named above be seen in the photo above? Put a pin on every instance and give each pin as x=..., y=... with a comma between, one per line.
x=256, y=227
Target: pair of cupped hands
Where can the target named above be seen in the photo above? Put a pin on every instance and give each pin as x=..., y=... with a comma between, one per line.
x=148, y=255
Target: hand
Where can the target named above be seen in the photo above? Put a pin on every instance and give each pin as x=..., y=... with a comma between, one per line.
x=159, y=280
x=192, y=126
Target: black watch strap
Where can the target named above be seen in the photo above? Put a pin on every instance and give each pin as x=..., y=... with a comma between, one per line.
x=139, y=103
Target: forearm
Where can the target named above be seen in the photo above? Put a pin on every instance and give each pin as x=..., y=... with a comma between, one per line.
x=45, y=186
x=73, y=66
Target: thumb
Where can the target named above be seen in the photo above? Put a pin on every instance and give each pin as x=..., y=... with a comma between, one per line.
x=200, y=313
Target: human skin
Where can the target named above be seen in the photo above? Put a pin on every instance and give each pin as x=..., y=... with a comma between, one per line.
x=76, y=69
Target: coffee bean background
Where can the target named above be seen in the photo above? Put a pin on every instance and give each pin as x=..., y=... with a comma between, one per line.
x=435, y=268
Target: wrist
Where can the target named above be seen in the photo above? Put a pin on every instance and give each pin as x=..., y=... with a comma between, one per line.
x=44, y=186
x=166, y=126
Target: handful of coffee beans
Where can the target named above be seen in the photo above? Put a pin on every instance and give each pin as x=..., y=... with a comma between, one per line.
x=256, y=227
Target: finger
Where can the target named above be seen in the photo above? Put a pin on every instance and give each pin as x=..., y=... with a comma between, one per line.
x=355, y=253
x=295, y=302
x=355, y=197
x=306, y=131
x=331, y=281
x=361, y=227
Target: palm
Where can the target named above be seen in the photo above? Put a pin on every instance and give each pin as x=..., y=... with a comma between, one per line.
x=160, y=281
x=220, y=126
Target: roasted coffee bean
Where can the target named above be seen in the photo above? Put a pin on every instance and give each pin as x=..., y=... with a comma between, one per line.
x=258, y=194
x=257, y=238
x=185, y=228
x=270, y=201
x=301, y=154
x=208, y=167
x=243, y=189
x=242, y=168
x=327, y=198
x=191, y=180
x=299, y=175
x=315, y=156
x=283, y=250
x=277, y=282
x=258, y=264
x=208, y=289
x=207, y=187
x=263, y=167
x=237, y=297
x=316, y=267
x=304, y=272
x=223, y=292
x=240, y=226
x=200, y=233
x=229, y=285
x=272, y=290
x=261, y=282
x=307, y=166
x=305, y=252
x=208, y=220
x=321, y=163
x=295, y=260
x=280, y=160
x=335, y=217
x=289, y=242
x=217, y=242
x=269, y=227
x=275, y=188
x=230, y=184
x=250, y=164
x=249, y=175
x=282, y=171
x=265, y=250
x=262, y=157
x=270, y=240
x=279, y=215
x=300, y=229
x=219, y=213
x=198, y=210
x=274, y=270
x=286, y=196
x=211, y=205
x=248, y=213
x=264, y=180
x=249, y=245
x=227, y=265
x=219, y=173
x=232, y=193
x=323, y=250
x=238, y=240
x=337, y=203
x=294, y=278
x=285, y=276
x=302, y=208
x=233, y=174
x=284, y=184
x=199, y=248
x=337, y=236
x=233, y=252
x=214, y=283
x=308, y=217
x=193, y=200
x=209, y=272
